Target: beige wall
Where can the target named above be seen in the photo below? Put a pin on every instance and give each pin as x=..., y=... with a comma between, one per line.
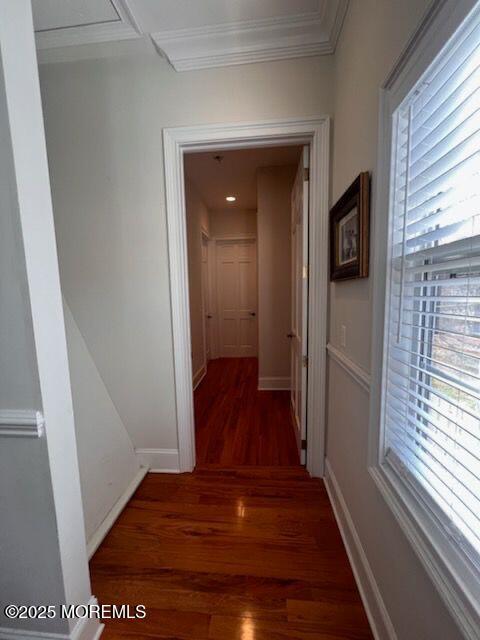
x=104, y=120
x=197, y=221
x=106, y=458
x=373, y=36
x=233, y=222
x=274, y=187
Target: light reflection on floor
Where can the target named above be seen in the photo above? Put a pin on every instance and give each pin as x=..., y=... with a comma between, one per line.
x=248, y=628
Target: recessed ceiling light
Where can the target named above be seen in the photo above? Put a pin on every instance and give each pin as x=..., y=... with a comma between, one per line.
x=230, y=198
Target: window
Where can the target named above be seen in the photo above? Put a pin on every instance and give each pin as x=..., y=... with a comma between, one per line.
x=431, y=384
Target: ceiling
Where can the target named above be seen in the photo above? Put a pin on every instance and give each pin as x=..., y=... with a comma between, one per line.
x=235, y=174
x=195, y=34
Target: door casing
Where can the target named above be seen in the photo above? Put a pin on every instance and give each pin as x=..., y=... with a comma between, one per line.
x=180, y=140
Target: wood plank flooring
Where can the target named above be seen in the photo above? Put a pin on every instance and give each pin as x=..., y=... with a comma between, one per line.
x=247, y=553
x=236, y=424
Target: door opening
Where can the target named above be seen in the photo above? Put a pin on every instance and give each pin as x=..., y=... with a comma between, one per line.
x=241, y=202
x=239, y=325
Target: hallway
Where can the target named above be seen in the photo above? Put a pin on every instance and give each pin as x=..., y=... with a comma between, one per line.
x=250, y=553
x=235, y=424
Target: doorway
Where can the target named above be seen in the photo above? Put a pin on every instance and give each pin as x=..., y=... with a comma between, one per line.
x=177, y=142
x=251, y=204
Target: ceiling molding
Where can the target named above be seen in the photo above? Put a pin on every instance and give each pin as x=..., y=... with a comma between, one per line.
x=212, y=45
x=123, y=28
x=253, y=41
x=337, y=22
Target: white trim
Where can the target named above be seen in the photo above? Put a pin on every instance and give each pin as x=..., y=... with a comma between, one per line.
x=84, y=629
x=375, y=608
x=108, y=522
x=199, y=376
x=275, y=383
x=159, y=460
x=124, y=28
x=433, y=554
x=22, y=423
x=88, y=628
x=357, y=372
x=313, y=131
x=455, y=580
x=33, y=196
x=260, y=40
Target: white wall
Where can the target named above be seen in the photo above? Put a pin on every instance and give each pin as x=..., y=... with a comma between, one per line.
x=274, y=188
x=373, y=36
x=104, y=120
x=197, y=221
x=106, y=456
x=30, y=569
x=233, y=222
x=43, y=551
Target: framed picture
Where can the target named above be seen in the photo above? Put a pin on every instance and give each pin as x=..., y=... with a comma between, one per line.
x=349, y=231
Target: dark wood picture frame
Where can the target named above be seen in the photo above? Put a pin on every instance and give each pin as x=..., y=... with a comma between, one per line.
x=351, y=260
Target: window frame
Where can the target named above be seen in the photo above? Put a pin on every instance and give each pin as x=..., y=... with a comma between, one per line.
x=455, y=576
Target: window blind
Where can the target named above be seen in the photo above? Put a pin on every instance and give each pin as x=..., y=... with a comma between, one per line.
x=431, y=396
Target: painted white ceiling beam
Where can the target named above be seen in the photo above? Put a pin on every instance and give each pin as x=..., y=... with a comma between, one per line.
x=254, y=41
x=100, y=24
x=291, y=29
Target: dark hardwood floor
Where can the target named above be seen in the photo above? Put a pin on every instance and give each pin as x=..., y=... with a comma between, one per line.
x=251, y=553
x=235, y=424
x=244, y=548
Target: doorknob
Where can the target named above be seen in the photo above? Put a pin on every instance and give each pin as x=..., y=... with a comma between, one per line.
x=252, y=313
x=290, y=335
x=209, y=316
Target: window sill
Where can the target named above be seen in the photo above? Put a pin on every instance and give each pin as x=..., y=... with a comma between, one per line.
x=456, y=579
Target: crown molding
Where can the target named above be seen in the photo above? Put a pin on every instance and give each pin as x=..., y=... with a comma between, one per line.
x=253, y=41
x=124, y=28
x=218, y=45
x=21, y=423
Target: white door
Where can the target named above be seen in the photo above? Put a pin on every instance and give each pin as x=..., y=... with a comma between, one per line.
x=298, y=335
x=237, y=298
x=207, y=316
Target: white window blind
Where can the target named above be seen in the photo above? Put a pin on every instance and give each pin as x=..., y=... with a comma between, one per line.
x=431, y=400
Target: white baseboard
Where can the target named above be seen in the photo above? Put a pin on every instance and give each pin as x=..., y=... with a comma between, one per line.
x=274, y=384
x=87, y=628
x=84, y=629
x=159, y=460
x=377, y=613
x=108, y=522
x=199, y=375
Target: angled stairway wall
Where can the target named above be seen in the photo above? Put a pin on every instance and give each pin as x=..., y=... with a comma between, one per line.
x=107, y=460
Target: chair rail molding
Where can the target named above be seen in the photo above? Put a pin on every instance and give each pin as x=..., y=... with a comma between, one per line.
x=27, y=423
x=313, y=131
x=357, y=372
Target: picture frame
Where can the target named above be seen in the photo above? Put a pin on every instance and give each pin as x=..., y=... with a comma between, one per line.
x=350, y=231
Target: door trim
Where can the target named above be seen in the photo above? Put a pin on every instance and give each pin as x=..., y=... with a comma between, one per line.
x=176, y=142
